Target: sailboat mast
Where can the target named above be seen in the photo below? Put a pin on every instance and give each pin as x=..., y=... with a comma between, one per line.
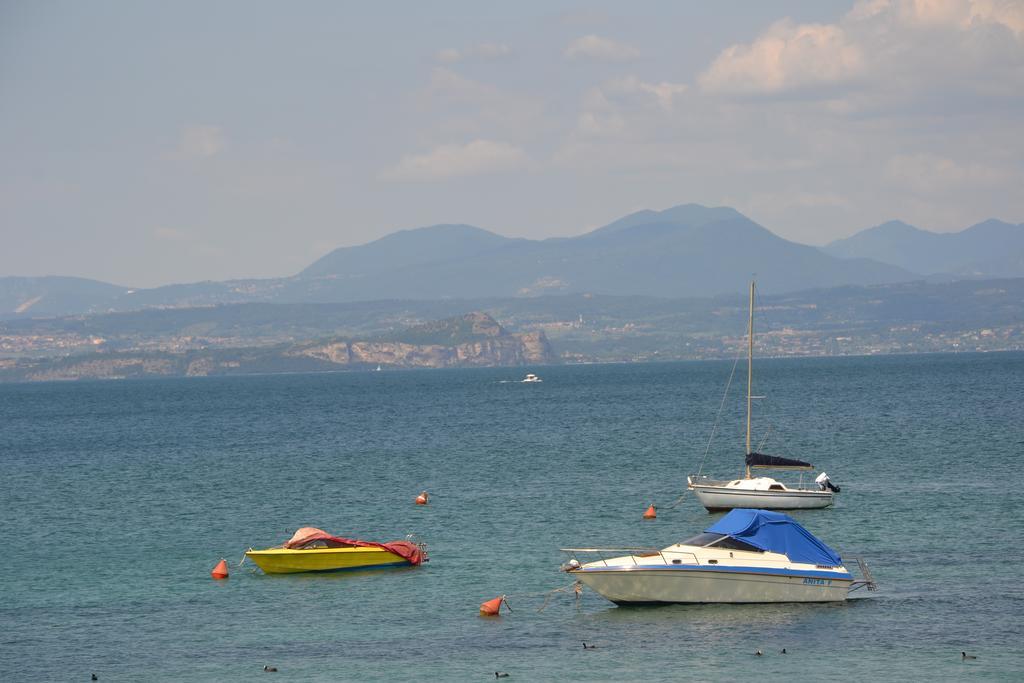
x=750, y=365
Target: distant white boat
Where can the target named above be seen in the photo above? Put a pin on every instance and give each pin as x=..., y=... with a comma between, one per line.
x=761, y=492
x=532, y=378
x=378, y=369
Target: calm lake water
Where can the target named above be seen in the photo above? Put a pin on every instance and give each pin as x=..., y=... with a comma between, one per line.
x=119, y=497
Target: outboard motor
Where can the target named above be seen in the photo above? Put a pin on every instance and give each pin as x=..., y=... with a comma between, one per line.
x=824, y=483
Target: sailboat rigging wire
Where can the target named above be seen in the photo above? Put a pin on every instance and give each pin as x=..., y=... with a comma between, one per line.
x=714, y=429
x=718, y=417
x=768, y=433
x=711, y=438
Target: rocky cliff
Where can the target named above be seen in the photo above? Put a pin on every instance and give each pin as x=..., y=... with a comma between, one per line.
x=472, y=340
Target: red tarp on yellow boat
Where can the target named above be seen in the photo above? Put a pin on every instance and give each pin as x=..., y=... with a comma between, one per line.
x=308, y=534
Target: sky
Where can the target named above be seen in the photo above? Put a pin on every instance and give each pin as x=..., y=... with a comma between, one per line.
x=144, y=143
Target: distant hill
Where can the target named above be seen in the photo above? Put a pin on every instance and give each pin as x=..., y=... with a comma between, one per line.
x=399, y=250
x=693, y=215
x=685, y=251
x=55, y=296
x=688, y=250
x=991, y=249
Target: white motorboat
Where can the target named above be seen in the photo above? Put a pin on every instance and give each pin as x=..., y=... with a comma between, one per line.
x=532, y=378
x=761, y=492
x=748, y=556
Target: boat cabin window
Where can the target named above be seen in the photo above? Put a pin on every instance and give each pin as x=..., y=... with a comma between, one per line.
x=708, y=540
x=776, y=487
x=735, y=544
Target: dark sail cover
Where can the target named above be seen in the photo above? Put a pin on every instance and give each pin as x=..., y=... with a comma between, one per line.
x=775, y=462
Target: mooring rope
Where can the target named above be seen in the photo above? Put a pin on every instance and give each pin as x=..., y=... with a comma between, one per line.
x=575, y=586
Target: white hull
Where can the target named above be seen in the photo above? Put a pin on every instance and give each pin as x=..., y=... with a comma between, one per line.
x=640, y=585
x=722, y=498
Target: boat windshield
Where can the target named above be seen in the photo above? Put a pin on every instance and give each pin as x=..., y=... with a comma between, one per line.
x=702, y=540
x=707, y=540
x=324, y=543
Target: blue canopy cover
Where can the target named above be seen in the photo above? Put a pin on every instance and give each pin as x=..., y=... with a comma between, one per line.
x=777, y=533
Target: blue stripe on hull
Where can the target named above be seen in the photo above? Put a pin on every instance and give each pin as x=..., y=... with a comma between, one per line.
x=650, y=603
x=802, y=573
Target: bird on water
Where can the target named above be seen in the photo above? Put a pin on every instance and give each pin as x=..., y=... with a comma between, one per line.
x=588, y=647
x=964, y=655
x=269, y=669
x=500, y=674
x=758, y=653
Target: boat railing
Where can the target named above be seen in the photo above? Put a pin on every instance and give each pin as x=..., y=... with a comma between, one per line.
x=634, y=553
x=694, y=480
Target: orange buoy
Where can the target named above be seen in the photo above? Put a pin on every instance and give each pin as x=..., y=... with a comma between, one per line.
x=221, y=570
x=649, y=513
x=492, y=608
x=422, y=498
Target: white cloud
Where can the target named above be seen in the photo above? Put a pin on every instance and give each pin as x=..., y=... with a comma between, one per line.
x=603, y=49
x=487, y=52
x=1009, y=13
x=601, y=124
x=201, y=142
x=450, y=161
x=884, y=52
x=663, y=93
x=627, y=105
x=962, y=14
x=786, y=57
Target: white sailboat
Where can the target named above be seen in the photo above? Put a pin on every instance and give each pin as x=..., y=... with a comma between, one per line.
x=761, y=492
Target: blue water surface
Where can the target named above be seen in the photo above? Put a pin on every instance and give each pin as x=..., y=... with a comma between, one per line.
x=117, y=499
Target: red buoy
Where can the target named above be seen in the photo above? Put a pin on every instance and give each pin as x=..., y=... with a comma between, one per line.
x=221, y=570
x=422, y=498
x=650, y=513
x=492, y=608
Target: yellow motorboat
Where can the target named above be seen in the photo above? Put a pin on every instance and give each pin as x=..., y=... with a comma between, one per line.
x=314, y=550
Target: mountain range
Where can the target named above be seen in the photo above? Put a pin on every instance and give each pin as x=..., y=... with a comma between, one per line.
x=990, y=249
x=686, y=251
